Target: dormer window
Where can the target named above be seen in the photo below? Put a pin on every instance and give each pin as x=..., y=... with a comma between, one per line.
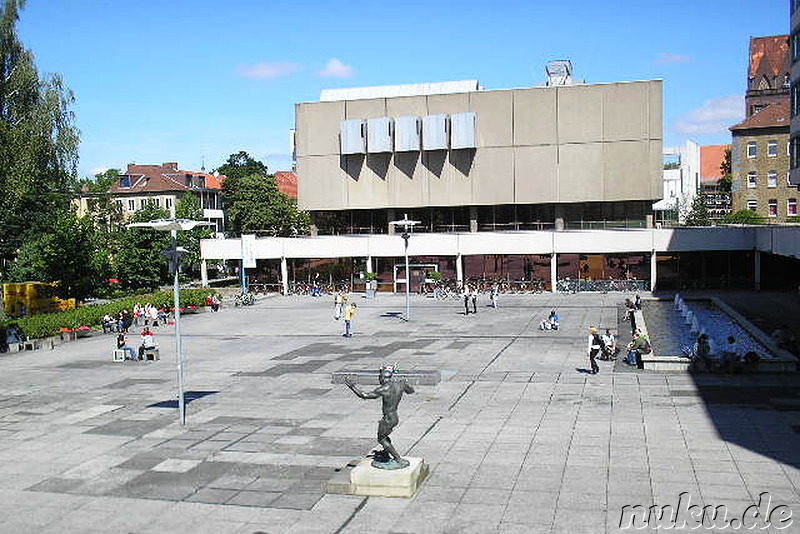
x=125, y=182
x=201, y=181
x=188, y=180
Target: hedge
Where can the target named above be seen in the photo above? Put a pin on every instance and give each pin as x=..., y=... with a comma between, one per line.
x=50, y=324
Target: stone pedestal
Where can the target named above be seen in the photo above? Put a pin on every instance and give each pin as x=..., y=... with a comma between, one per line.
x=363, y=479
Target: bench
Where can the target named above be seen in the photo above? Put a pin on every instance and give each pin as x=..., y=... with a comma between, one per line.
x=151, y=354
x=119, y=355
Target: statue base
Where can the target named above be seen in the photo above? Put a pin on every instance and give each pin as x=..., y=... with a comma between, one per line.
x=365, y=479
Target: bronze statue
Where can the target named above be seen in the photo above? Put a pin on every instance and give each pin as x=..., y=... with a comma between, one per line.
x=391, y=391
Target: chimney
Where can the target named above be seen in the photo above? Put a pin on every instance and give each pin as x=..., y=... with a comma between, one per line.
x=173, y=166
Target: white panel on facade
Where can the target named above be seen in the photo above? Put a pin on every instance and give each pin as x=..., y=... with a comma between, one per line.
x=379, y=135
x=352, y=138
x=434, y=132
x=407, y=134
x=462, y=130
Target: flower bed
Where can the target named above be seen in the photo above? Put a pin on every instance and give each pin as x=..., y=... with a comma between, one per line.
x=86, y=319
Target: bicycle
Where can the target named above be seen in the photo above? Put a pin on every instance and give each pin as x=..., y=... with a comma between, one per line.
x=245, y=299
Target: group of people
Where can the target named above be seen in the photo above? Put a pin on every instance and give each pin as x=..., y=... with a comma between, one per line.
x=214, y=301
x=551, y=322
x=601, y=347
x=121, y=322
x=148, y=342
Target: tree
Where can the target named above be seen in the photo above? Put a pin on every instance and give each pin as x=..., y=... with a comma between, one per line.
x=38, y=142
x=66, y=255
x=254, y=205
x=139, y=263
x=697, y=214
x=101, y=183
x=725, y=169
x=743, y=217
x=241, y=164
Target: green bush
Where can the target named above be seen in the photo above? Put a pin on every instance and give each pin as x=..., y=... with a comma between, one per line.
x=50, y=324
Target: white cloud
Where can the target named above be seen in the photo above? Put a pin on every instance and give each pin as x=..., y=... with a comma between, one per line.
x=336, y=69
x=98, y=170
x=268, y=70
x=714, y=116
x=669, y=58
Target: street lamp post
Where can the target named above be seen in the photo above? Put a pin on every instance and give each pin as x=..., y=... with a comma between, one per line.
x=406, y=223
x=174, y=254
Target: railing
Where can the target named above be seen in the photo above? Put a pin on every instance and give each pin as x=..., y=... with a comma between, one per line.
x=604, y=286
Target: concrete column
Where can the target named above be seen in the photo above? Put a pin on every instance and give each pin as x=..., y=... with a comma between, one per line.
x=649, y=220
x=553, y=272
x=285, y=276
x=459, y=269
x=390, y=217
x=313, y=230
x=473, y=219
x=653, y=270
x=757, y=271
x=369, y=264
x=203, y=273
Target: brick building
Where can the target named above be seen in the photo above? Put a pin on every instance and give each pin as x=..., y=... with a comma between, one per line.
x=760, y=161
x=718, y=200
x=768, y=73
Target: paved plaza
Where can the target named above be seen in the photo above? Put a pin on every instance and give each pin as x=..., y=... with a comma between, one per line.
x=520, y=438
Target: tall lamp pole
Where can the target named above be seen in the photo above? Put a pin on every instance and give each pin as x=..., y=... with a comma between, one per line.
x=406, y=223
x=174, y=254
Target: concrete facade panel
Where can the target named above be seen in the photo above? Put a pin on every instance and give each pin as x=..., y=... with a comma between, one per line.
x=444, y=181
x=409, y=185
x=536, y=174
x=365, y=109
x=580, y=113
x=493, y=111
x=534, y=117
x=406, y=105
x=371, y=188
x=494, y=176
x=327, y=189
x=626, y=167
x=452, y=103
x=622, y=116
x=580, y=173
x=312, y=140
x=655, y=111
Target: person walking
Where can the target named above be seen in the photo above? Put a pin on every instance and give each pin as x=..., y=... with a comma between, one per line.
x=465, y=292
x=338, y=305
x=493, y=296
x=473, y=295
x=595, y=344
x=349, y=313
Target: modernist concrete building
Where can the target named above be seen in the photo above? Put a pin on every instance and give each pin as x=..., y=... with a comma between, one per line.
x=459, y=158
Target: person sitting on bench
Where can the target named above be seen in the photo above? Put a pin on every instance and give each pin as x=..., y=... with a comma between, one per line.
x=122, y=344
x=148, y=342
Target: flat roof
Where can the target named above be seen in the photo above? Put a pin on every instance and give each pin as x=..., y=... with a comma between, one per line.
x=388, y=91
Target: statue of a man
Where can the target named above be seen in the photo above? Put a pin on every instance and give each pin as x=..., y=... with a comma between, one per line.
x=391, y=391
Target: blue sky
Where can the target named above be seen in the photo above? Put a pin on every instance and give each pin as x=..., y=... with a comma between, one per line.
x=193, y=81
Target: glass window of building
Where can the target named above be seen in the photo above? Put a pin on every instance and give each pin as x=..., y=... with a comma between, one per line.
x=168, y=203
x=772, y=149
x=772, y=207
x=772, y=179
x=752, y=180
x=131, y=204
x=791, y=207
x=752, y=151
x=157, y=202
x=752, y=205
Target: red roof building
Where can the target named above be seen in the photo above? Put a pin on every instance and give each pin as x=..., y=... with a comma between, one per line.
x=287, y=183
x=768, y=72
x=711, y=158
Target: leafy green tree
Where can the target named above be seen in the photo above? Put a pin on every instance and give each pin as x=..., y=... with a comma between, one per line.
x=725, y=168
x=188, y=207
x=101, y=183
x=139, y=264
x=697, y=213
x=38, y=142
x=254, y=205
x=66, y=254
x=743, y=217
x=241, y=164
